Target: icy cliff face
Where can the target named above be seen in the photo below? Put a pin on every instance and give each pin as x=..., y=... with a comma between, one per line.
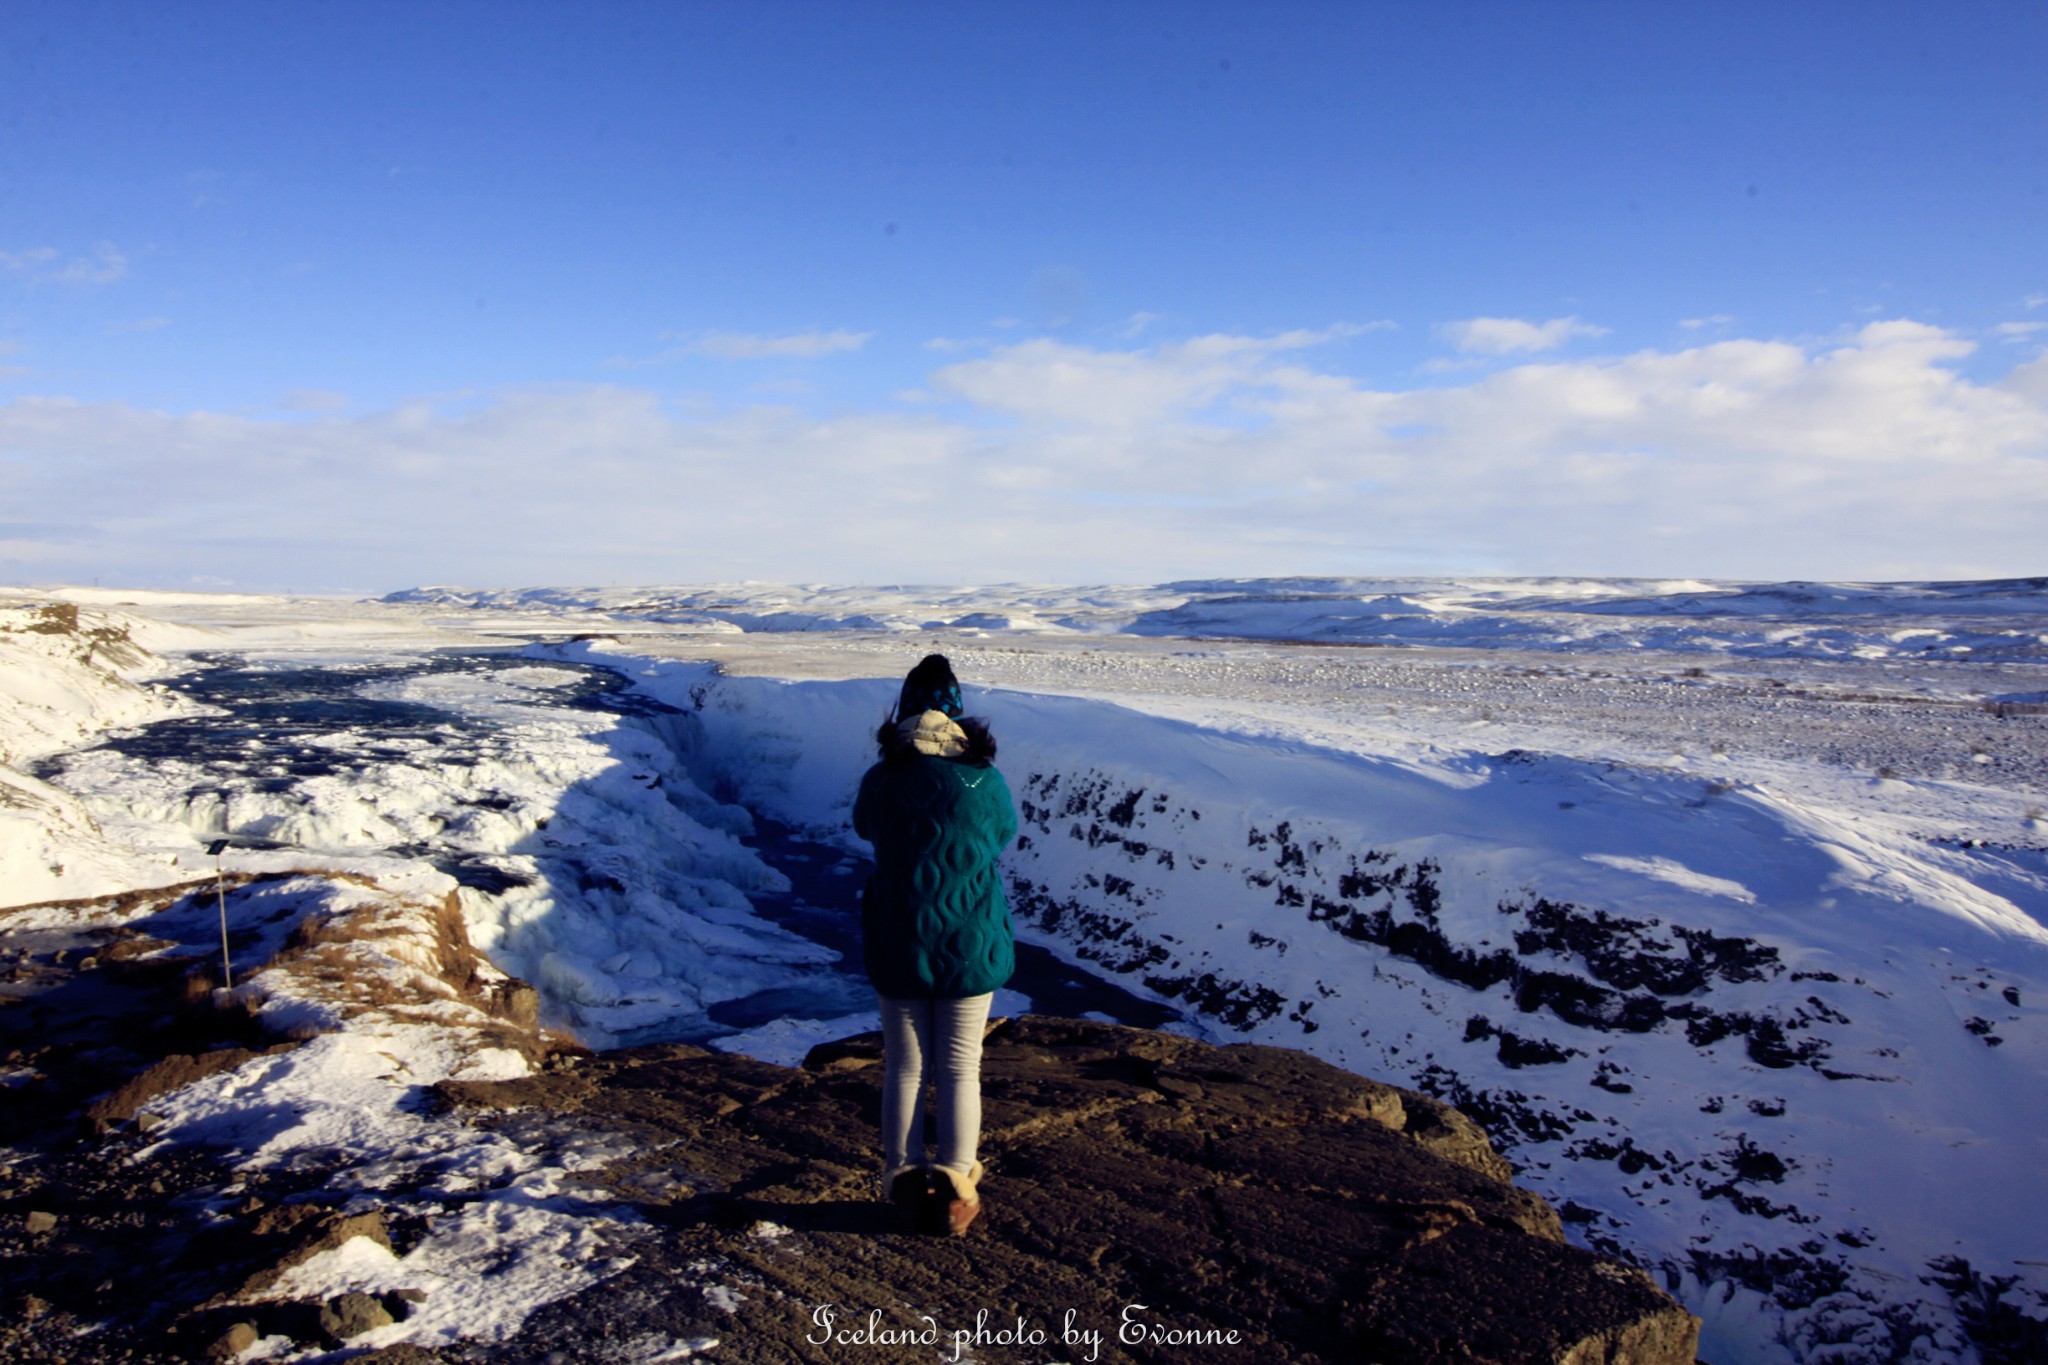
x=1788, y=1058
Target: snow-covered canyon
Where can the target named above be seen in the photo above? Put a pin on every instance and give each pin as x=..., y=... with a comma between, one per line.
x=1721, y=907
x=1785, y=1054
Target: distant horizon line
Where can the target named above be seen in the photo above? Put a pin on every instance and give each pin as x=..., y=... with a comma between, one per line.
x=1189, y=583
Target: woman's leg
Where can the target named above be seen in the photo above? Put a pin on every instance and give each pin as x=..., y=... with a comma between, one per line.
x=955, y=1052
x=906, y=1042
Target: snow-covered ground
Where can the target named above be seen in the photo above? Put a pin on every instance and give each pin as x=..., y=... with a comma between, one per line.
x=1724, y=907
x=1977, y=620
x=66, y=675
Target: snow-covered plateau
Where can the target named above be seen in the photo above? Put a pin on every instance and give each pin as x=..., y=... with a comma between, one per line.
x=1723, y=907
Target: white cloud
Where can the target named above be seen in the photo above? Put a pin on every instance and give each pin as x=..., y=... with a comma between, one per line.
x=2029, y=381
x=744, y=346
x=1711, y=320
x=2018, y=331
x=137, y=325
x=1513, y=336
x=47, y=265
x=1870, y=457
x=314, y=400
x=1045, y=382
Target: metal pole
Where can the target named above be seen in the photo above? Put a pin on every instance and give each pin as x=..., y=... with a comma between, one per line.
x=220, y=884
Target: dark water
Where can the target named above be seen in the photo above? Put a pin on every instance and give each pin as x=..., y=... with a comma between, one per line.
x=270, y=720
x=272, y=723
x=272, y=726
x=268, y=715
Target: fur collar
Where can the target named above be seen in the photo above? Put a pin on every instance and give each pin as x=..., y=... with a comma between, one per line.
x=934, y=733
x=966, y=740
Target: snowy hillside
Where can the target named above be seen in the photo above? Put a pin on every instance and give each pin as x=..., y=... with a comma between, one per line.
x=1741, y=1036
x=65, y=676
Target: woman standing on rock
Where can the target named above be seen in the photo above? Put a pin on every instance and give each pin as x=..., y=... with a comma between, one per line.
x=935, y=934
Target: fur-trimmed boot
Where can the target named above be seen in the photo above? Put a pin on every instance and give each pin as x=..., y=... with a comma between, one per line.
x=956, y=1198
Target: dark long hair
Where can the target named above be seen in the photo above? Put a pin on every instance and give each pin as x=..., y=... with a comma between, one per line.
x=981, y=741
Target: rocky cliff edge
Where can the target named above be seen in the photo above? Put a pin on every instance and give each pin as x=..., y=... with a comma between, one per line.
x=1149, y=1198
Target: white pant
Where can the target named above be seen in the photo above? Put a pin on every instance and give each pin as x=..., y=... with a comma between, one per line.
x=944, y=1035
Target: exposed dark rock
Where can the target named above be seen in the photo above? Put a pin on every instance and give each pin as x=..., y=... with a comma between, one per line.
x=1249, y=1191
x=1515, y=1051
x=1988, y=1308
x=1509, y=1115
x=350, y=1315
x=105, y=1293
x=1608, y=1077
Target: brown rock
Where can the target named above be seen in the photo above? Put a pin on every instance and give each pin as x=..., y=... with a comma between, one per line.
x=352, y=1314
x=273, y=1221
x=1448, y=1133
x=405, y=1353
x=1318, y=1216
x=1456, y=1286
x=560, y=1091
x=133, y=944
x=517, y=1003
x=39, y=1221
x=232, y=1342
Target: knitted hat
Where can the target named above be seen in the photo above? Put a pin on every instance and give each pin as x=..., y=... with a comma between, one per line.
x=930, y=686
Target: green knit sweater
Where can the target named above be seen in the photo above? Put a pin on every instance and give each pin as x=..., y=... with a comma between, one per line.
x=934, y=922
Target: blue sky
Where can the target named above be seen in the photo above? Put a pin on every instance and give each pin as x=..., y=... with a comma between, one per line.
x=346, y=297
